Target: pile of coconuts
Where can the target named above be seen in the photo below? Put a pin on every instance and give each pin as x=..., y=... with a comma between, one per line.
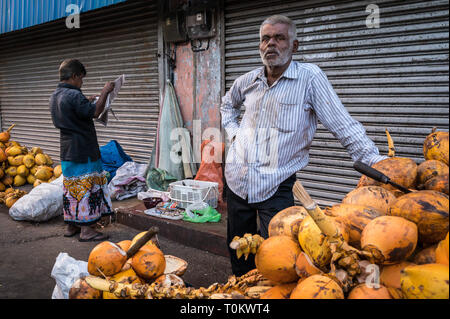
x=410, y=231
x=20, y=166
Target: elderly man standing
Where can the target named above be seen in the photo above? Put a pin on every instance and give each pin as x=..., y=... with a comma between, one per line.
x=283, y=102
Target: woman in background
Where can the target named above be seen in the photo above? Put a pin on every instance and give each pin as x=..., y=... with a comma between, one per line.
x=86, y=197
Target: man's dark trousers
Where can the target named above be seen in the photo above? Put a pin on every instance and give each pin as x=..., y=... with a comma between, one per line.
x=242, y=219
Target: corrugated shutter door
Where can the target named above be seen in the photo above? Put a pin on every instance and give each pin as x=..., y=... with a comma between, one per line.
x=393, y=77
x=116, y=40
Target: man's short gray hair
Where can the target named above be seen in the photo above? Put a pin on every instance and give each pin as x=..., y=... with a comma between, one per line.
x=284, y=20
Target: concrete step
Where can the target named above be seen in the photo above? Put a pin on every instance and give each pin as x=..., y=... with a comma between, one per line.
x=209, y=237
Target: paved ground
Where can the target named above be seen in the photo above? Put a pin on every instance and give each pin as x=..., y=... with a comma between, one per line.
x=28, y=252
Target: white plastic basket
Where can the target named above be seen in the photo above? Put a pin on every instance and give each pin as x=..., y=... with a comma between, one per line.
x=190, y=191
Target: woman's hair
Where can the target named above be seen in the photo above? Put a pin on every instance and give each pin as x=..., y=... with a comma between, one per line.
x=71, y=67
x=284, y=20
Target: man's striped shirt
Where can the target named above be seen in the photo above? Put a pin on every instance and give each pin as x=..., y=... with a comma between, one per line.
x=272, y=140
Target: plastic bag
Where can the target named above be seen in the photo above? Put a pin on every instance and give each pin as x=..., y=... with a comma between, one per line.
x=173, y=137
x=159, y=179
x=42, y=203
x=211, y=166
x=128, y=182
x=204, y=215
x=194, y=207
x=113, y=156
x=66, y=271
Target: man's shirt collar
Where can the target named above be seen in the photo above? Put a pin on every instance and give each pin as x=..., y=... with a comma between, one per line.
x=290, y=72
x=67, y=85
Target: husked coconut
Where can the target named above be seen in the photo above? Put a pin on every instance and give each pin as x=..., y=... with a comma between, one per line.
x=28, y=160
x=362, y=291
x=13, y=151
x=38, y=182
x=36, y=150
x=442, y=252
x=5, y=135
x=438, y=183
x=106, y=258
x=395, y=237
x=48, y=160
x=19, y=181
x=282, y=291
x=33, y=169
x=426, y=256
x=3, y=156
x=390, y=274
x=400, y=170
x=124, y=244
x=81, y=290
x=304, y=266
x=57, y=171
x=16, y=160
x=40, y=159
x=11, y=171
x=149, y=262
x=152, y=241
x=31, y=179
x=436, y=146
x=429, y=281
x=23, y=171
x=376, y=197
x=44, y=173
x=317, y=287
x=275, y=259
x=287, y=222
x=428, y=209
x=7, y=180
x=355, y=216
x=429, y=169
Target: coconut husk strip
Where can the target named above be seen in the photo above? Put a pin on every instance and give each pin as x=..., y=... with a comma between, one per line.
x=235, y=286
x=10, y=128
x=323, y=221
x=391, y=152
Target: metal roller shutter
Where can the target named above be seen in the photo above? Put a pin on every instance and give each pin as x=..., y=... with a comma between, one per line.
x=120, y=39
x=393, y=77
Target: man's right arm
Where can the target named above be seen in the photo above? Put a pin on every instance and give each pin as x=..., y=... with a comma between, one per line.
x=100, y=105
x=231, y=109
x=84, y=108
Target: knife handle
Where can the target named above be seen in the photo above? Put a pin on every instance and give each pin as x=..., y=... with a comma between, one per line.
x=370, y=172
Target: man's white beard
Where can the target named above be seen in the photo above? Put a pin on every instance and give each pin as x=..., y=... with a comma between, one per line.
x=282, y=58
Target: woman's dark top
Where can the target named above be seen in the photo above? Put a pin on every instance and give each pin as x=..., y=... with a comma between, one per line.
x=73, y=114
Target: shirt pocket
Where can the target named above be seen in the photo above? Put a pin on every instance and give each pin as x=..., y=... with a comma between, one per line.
x=289, y=116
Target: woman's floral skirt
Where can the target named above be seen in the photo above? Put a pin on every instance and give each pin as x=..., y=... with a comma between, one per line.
x=86, y=197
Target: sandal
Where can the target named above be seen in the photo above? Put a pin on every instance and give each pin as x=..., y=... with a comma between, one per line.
x=73, y=233
x=97, y=237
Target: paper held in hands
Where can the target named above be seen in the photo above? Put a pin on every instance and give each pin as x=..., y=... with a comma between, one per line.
x=103, y=117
